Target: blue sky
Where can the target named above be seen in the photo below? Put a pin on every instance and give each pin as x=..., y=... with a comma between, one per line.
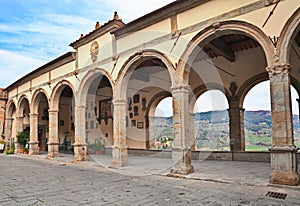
x=34, y=32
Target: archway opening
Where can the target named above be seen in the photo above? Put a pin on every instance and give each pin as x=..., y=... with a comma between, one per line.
x=99, y=116
x=43, y=122
x=211, y=122
x=258, y=118
x=162, y=125
x=148, y=82
x=66, y=130
x=24, y=117
x=10, y=126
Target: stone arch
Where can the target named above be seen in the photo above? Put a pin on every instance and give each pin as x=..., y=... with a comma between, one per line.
x=36, y=98
x=56, y=92
x=154, y=101
x=21, y=105
x=133, y=61
x=248, y=85
x=296, y=84
x=87, y=80
x=11, y=106
x=198, y=91
x=220, y=29
x=292, y=27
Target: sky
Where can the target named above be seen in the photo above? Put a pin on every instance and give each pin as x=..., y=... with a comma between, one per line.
x=34, y=32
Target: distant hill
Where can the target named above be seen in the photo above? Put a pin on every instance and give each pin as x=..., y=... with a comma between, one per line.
x=253, y=120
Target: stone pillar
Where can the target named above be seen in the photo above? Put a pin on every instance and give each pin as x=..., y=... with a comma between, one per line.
x=283, y=151
x=236, y=125
x=8, y=130
x=53, y=142
x=80, y=146
x=33, y=143
x=119, y=153
x=19, y=125
x=182, y=144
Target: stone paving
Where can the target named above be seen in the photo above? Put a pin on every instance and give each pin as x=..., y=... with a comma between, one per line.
x=33, y=180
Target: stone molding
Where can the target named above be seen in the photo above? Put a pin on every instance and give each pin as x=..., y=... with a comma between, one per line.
x=282, y=69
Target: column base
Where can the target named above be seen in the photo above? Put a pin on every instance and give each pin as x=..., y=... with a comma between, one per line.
x=80, y=152
x=120, y=157
x=17, y=148
x=34, y=148
x=285, y=178
x=182, y=159
x=284, y=166
x=53, y=150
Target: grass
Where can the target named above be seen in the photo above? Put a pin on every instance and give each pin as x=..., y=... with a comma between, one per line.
x=256, y=148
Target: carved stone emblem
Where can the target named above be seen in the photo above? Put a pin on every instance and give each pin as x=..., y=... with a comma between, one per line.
x=94, y=50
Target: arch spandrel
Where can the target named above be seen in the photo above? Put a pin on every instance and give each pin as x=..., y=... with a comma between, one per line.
x=221, y=29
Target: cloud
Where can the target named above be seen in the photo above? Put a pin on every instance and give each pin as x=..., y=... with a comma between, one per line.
x=14, y=66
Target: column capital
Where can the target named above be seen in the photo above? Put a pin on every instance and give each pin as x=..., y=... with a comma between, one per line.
x=282, y=69
x=9, y=119
x=53, y=110
x=181, y=88
x=33, y=114
x=119, y=101
x=80, y=106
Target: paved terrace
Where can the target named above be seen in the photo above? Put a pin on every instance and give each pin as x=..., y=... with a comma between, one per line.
x=237, y=172
x=33, y=180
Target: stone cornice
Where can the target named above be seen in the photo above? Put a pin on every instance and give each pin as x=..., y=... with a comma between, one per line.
x=158, y=15
x=108, y=27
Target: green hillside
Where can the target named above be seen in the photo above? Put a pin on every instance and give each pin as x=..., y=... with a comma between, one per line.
x=211, y=130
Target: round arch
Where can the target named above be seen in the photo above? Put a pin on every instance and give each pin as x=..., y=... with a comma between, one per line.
x=198, y=91
x=36, y=98
x=133, y=61
x=248, y=85
x=11, y=105
x=87, y=81
x=292, y=27
x=56, y=92
x=155, y=100
x=220, y=29
x=21, y=105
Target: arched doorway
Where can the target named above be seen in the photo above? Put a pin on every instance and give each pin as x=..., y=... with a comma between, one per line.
x=10, y=126
x=66, y=129
x=148, y=83
x=39, y=123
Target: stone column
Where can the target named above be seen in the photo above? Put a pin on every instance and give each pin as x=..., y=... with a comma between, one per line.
x=182, y=144
x=283, y=151
x=19, y=125
x=8, y=130
x=80, y=146
x=236, y=125
x=53, y=142
x=33, y=143
x=119, y=153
